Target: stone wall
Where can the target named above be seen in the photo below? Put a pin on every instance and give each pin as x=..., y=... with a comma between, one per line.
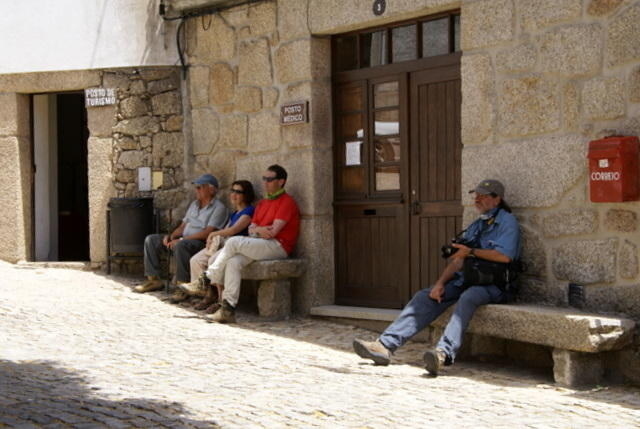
x=243, y=64
x=540, y=79
x=144, y=128
x=15, y=177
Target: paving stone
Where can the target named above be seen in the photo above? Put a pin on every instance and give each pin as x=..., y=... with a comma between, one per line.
x=94, y=349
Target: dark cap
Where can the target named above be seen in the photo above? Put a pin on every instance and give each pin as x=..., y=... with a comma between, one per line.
x=206, y=179
x=489, y=186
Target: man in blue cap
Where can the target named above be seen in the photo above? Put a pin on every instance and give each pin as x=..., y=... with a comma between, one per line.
x=494, y=237
x=205, y=215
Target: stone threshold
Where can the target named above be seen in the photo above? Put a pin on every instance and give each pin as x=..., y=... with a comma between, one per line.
x=359, y=313
x=70, y=265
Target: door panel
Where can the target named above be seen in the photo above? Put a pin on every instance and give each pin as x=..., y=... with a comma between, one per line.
x=371, y=254
x=435, y=170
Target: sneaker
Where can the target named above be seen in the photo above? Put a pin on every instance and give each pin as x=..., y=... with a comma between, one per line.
x=152, y=283
x=225, y=314
x=434, y=360
x=373, y=350
x=193, y=288
x=178, y=296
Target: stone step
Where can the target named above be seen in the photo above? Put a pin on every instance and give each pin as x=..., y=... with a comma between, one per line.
x=361, y=313
x=70, y=265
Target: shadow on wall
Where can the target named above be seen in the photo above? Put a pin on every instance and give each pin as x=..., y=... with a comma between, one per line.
x=39, y=393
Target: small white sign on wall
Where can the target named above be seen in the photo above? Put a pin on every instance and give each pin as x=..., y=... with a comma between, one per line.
x=95, y=97
x=352, y=153
x=144, y=179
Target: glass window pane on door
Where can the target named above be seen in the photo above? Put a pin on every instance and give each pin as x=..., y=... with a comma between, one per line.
x=346, y=52
x=350, y=99
x=387, y=149
x=352, y=179
x=373, y=49
x=404, y=43
x=385, y=95
x=456, y=33
x=388, y=178
x=351, y=126
x=387, y=122
x=435, y=37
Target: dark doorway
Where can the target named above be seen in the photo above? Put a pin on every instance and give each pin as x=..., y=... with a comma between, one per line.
x=73, y=195
x=396, y=156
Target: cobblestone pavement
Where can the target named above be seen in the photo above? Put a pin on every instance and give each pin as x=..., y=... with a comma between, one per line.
x=79, y=349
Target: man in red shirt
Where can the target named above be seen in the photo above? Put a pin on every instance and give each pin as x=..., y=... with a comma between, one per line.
x=272, y=235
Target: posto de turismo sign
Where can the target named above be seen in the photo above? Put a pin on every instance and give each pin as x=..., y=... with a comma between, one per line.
x=294, y=113
x=94, y=97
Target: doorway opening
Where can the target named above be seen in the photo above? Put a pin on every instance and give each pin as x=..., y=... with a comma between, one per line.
x=60, y=194
x=397, y=157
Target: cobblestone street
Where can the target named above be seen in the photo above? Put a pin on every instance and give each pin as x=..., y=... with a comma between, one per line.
x=79, y=349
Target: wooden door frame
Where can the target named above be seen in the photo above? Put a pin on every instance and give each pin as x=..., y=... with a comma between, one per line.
x=366, y=78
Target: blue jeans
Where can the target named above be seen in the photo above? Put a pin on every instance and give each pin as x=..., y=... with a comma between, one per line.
x=422, y=310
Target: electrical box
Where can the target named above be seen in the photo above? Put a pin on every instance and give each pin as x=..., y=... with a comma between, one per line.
x=144, y=179
x=613, y=169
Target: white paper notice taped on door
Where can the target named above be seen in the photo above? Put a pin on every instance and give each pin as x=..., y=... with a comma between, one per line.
x=352, y=152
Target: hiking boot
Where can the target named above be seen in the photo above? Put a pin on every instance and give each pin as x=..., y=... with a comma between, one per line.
x=178, y=296
x=152, y=283
x=225, y=314
x=193, y=289
x=373, y=350
x=434, y=360
x=209, y=298
x=213, y=308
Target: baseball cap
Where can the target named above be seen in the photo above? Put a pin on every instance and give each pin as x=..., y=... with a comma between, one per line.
x=489, y=186
x=206, y=179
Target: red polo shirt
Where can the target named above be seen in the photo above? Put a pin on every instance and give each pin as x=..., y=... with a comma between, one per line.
x=284, y=208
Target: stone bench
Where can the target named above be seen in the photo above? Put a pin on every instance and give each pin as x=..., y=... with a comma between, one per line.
x=576, y=338
x=274, y=284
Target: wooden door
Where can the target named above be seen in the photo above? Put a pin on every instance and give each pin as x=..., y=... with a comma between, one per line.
x=396, y=110
x=371, y=214
x=435, y=147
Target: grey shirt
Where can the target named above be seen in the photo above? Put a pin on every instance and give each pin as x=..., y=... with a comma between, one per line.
x=214, y=214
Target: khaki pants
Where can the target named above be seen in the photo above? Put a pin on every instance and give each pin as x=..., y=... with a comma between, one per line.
x=237, y=253
x=200, y=261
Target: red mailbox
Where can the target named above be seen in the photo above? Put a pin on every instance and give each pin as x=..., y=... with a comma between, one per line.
x=613, y=169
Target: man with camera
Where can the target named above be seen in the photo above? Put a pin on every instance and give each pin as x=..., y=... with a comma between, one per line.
x=481, y=269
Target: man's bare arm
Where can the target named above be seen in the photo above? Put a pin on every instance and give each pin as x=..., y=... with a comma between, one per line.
x=454, y=264
x=177, y=233
x=270, y=231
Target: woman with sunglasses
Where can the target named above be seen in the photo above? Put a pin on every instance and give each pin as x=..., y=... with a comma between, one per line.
x=241, y=196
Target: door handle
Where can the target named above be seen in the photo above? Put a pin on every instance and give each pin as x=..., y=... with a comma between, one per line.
x=416, y=208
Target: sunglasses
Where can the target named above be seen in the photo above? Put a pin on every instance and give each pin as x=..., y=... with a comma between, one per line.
x=269, y=179
x=237, y=191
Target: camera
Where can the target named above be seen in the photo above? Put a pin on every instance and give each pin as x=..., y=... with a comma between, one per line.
x=448, y=250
